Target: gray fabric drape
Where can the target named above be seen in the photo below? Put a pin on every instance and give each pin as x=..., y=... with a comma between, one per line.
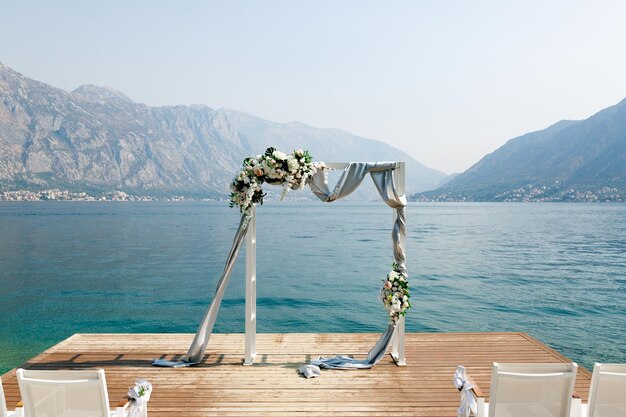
x=383, y=175
x=346, y=362
x=201, y=340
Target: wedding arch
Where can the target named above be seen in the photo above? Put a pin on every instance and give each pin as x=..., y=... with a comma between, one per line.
x=294, y=171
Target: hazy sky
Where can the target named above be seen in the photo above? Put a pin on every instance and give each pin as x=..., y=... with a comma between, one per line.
x=446, y=81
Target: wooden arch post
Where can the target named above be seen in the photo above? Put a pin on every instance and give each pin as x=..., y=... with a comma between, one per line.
x=397, y=349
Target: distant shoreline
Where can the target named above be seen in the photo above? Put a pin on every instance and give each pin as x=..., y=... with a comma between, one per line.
x=530, y=193
x=66, y=195
x=113, y=196
x=120, y=196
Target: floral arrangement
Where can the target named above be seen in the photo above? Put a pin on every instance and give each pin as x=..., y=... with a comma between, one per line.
x=395, y=293
x=292, y=171
x=142, y=388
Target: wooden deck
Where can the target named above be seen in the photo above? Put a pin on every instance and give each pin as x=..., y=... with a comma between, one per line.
x=221, y=386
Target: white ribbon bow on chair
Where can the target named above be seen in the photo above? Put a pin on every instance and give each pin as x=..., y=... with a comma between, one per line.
x=468, y=402
x=139, y=395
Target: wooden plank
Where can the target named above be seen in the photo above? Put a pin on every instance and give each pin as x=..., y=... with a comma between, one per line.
x=220, y=386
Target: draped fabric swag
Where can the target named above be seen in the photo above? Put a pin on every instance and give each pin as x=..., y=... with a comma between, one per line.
x=382, y=174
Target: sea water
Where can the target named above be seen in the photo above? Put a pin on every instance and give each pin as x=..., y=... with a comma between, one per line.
x=556, y=271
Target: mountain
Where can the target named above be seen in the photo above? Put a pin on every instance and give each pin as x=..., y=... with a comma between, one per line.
x=97, y=139
x=567, y=157
x=334, y=145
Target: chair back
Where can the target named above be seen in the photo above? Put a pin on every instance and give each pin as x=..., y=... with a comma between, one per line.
x=63, y=393
x=3, y=402
x=532, y=390
x=607, y=394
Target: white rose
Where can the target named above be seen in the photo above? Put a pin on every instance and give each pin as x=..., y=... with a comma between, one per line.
x=293, y=165
x=279, y=155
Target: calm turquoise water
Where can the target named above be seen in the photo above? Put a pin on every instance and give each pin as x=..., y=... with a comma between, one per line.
x=557, y=271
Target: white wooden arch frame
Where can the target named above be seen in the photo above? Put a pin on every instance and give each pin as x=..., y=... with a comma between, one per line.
x=397, y=349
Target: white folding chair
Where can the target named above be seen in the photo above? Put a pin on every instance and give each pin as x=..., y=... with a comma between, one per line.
x=3, y=406
x=66, y=394
x=528, y=390
x=607, y=394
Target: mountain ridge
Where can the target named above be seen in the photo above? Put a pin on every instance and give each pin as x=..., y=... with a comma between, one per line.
x=97, y=138
x=567, y=157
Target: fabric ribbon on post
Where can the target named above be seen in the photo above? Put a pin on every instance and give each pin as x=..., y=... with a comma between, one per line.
x=468, y=402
